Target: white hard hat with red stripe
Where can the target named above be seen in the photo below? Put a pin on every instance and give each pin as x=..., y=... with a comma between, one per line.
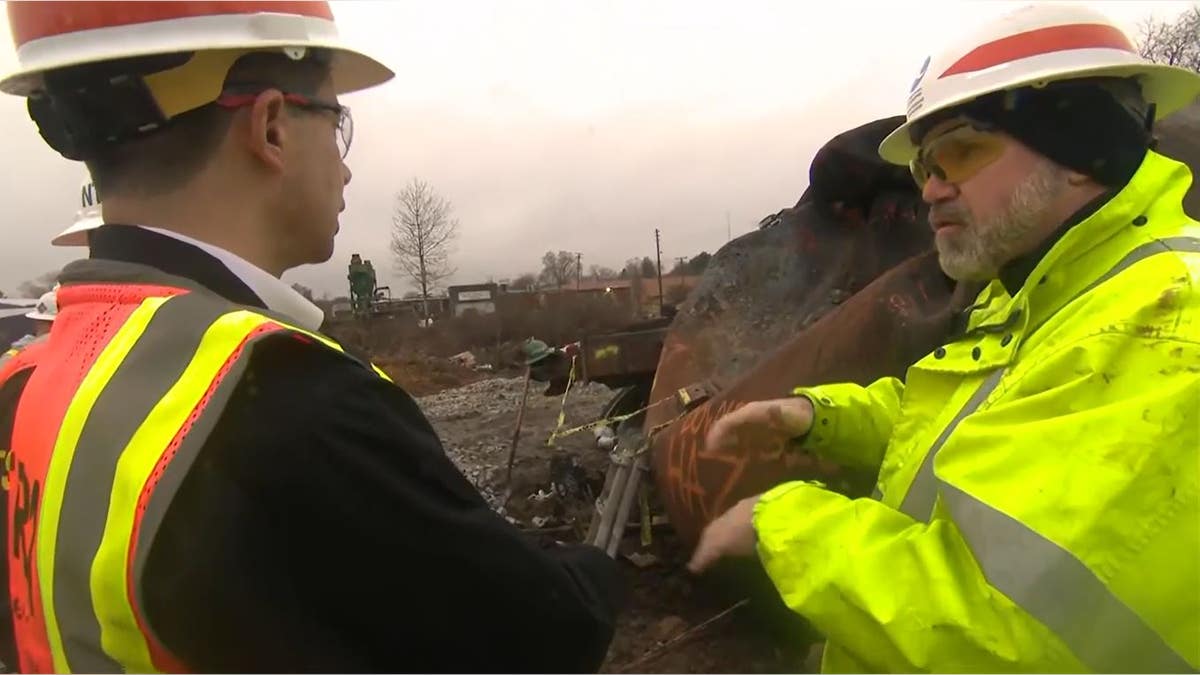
x=87, y=218
x=54, y=35
x=1034, y=46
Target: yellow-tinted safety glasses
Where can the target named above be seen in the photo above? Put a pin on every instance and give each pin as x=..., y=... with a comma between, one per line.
x=956, y=155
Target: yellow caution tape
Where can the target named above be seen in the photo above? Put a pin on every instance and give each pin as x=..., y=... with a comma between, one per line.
x=606, y=421
x=562, y=408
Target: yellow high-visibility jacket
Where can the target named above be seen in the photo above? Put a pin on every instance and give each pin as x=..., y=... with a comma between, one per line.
x=1038, y=504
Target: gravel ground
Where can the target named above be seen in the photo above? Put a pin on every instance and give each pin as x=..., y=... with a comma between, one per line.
x=476, y=423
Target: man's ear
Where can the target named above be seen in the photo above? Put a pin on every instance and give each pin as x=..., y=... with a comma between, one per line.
x=268, y=128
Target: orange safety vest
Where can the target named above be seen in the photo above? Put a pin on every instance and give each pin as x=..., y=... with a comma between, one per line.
x=129, y=385
x=12, y=363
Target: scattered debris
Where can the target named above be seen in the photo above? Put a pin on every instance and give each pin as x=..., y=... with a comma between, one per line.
x=464, y=359
x=606, y=438
x=642, y=560
x=477, y=423
x=541, y=496
x=554, y=496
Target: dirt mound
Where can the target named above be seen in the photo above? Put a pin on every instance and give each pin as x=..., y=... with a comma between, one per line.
x=421, y=374
x=666, y=602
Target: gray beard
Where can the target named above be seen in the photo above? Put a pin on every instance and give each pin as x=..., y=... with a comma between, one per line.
x=981, y=248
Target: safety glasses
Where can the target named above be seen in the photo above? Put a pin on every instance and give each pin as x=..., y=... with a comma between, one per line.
x=345, y=123
x=956, y=155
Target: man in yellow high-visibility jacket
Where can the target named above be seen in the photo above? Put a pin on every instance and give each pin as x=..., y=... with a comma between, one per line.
x=1038, y=502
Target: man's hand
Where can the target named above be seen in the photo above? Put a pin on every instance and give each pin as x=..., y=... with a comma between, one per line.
x=762, y=424
x=757, y=425
x=731, y=534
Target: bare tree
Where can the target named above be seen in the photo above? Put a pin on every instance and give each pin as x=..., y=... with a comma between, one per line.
x=34, y=288
x=601, y=273
x=304, y=291
x=524, y=282
x=632, y=269
x=648, y=268
x=422, y=235
x=676, y=294
x=1174, y=43
x=559, y=269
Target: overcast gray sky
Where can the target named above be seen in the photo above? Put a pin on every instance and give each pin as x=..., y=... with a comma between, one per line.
x=574, y=125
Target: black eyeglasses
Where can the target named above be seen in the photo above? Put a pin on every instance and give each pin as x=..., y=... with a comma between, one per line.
x=345, y=123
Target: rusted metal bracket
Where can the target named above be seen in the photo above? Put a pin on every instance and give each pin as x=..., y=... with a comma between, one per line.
x=694, y=394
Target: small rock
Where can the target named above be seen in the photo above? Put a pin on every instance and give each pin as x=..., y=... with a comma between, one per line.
x=837, y=296
x=541, y=496
x=466, y=359
x=606, y=438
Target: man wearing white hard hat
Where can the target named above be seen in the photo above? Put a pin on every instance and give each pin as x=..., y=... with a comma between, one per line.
x=45, y=311
x=208, y=483
x=43, y=316
x=87, y=219
x=1038, y=496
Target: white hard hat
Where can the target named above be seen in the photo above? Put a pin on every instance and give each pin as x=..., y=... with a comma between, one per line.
x=54, y=35
x=47, y=306
x=1034, y=46
x=87, y=218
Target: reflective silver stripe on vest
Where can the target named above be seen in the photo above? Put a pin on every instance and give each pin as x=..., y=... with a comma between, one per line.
x=1045, y=580
x=151, y=367
x=1168, y=245
x=918, y=501
x=1058, y=590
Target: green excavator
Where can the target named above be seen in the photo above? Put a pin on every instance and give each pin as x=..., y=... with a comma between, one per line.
x=366, y=297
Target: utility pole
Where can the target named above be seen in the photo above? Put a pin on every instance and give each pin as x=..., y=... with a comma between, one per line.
x=658, y=255
x=578, y=270
x=682, y=272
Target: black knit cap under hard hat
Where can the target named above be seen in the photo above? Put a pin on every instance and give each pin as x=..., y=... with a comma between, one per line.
x=1099, y=127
